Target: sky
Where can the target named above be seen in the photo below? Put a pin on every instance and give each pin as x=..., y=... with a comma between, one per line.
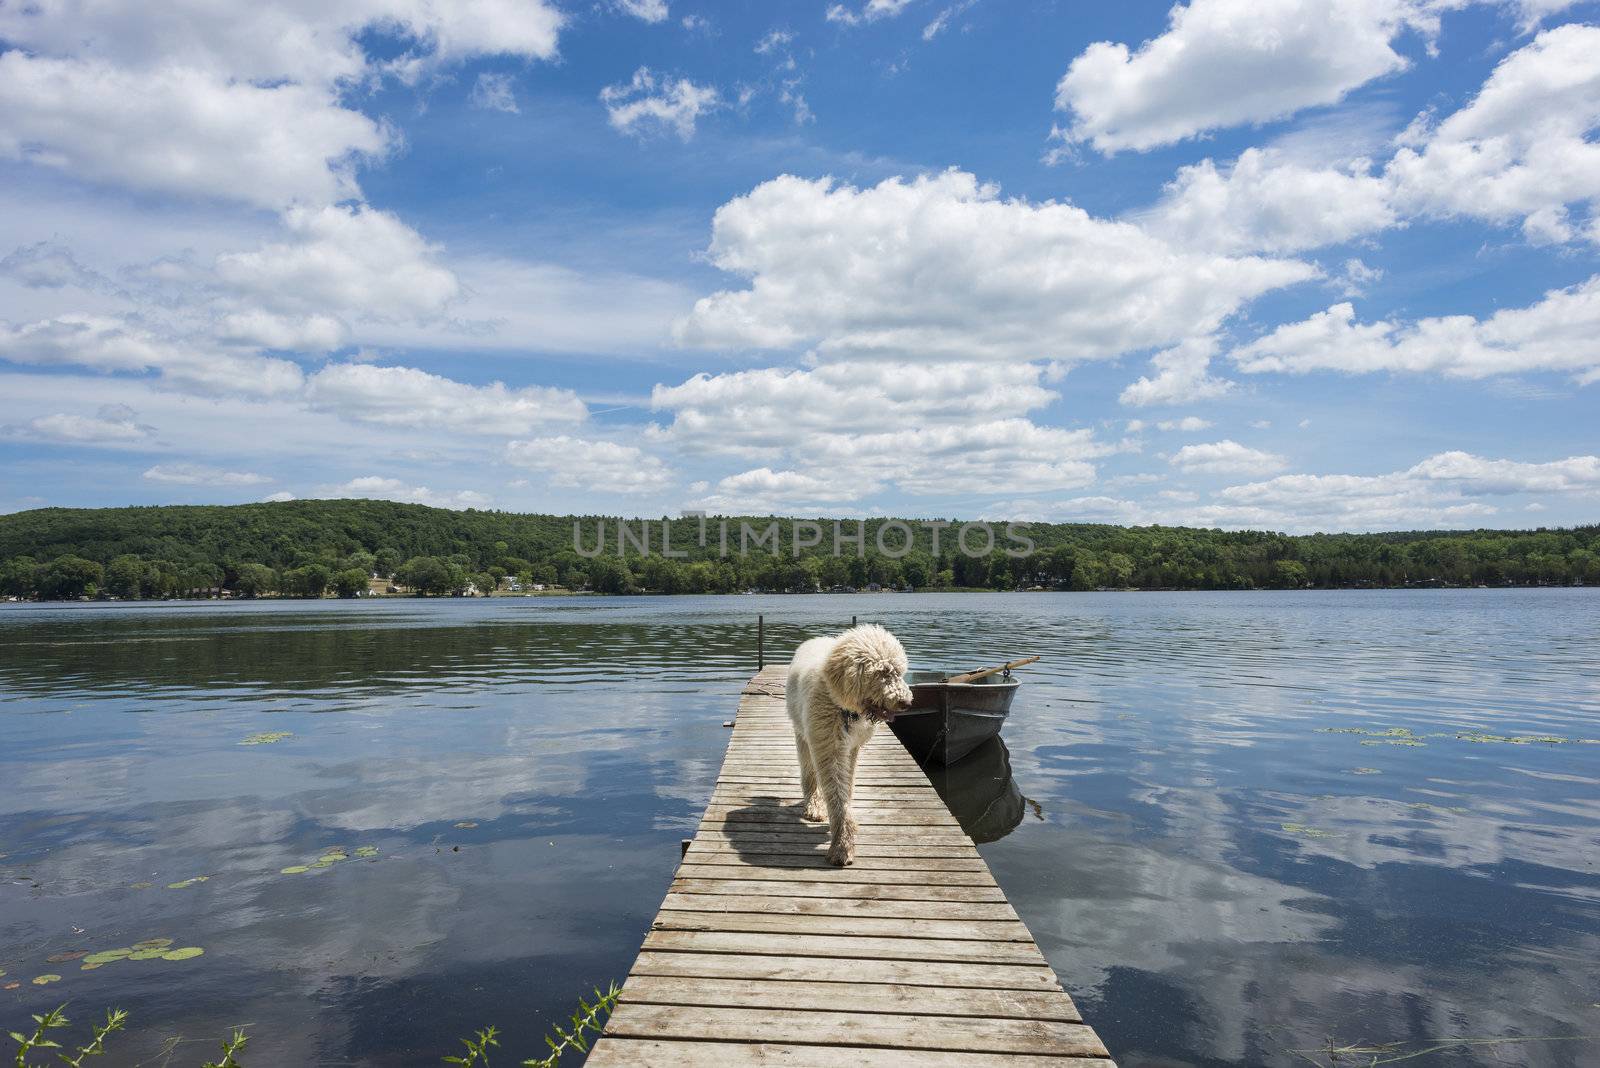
x=1301, y=266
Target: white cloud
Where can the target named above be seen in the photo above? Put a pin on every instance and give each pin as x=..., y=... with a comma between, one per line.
x=959, y=459
x=763, y=412
x=183, y=131
x=233, y=100
x=109, y=344
x=278, y=497
x=1559, y=333
x=1227, y=62
x=940, y=267
x=1355, y=276
x=49, y=265
x=942, y=20
x=392, y=489
x=494, y=92
x=1444, y=490
x=872, y=11
x=1226, y=457
x=406, y=396
x=648, y=10
x=316, y=44
x=295, y=333
x=774, y=41
x=113, y=424
x=1519, y=152
x=652, y=103
x=1187, y=423
x=591, y=464
x=1182, y=375
x=184, y=474
x=1265, y=202
x=764, y=491
x=1476, y=476
x=352, y=260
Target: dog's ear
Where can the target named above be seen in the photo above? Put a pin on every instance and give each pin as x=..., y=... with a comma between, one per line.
x=845, y=672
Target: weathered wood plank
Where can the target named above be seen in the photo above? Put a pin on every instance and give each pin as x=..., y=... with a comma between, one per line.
x=781, y=944
x=967, y=974
x=693, y=869
x=883, y=1030
x=817, y=861
x=774, y=904
x=856, y=997
x=750, y=883
x=837, y=924
x=657, y=1053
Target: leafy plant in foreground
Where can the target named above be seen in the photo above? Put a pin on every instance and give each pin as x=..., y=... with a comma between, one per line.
x=54, y=1020
x=588, y=1019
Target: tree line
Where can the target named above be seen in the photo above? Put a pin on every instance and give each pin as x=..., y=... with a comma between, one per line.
x=320, y=548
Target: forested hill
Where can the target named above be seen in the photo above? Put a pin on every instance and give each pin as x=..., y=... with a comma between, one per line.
x=307, y=547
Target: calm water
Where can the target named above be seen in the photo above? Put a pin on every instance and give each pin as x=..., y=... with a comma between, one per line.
x=1221, y=870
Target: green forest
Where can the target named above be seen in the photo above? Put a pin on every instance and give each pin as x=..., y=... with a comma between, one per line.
x=331, y=548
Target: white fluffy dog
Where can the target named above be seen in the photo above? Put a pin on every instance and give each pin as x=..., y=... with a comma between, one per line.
x=839, y=689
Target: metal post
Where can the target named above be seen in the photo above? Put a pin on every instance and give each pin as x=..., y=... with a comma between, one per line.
x=761, y=653
x=852, y=621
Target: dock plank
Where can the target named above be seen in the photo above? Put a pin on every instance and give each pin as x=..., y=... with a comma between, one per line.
x=763, y=953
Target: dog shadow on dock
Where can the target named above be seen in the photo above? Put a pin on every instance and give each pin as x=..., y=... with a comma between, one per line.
x=767, y=831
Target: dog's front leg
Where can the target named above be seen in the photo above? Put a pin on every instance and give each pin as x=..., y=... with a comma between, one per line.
x=830, y=749
x=811, y=796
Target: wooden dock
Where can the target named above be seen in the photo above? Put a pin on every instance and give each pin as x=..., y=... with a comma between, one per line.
x=764, y=954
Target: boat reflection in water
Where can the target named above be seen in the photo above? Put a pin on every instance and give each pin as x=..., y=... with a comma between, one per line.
x=981, y=793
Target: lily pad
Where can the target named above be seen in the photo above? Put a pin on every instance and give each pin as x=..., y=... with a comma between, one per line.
x=106, y=956
x=294, y=869
x=267, y=737
x=186, y=953
x=366, y=851
x=140, y=886
x=146, y=954
x=1393, y=741
x=90, y=967
x=153, y=943
x=62, y=958
x=10, y=986
x=45, y=980
x=184, y=884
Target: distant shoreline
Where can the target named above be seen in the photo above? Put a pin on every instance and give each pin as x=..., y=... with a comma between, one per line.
x=647, y=594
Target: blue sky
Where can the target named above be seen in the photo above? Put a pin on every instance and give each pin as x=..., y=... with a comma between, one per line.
x=1302, y=266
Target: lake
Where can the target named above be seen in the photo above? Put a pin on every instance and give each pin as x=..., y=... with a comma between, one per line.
x=1250, y=824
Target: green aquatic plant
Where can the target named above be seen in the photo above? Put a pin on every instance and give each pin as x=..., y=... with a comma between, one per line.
x=116, y=1019
x=267, y=737
x=183, y=953
x=477, y=1048
x=1304, y=831
x=366, y=851
x=230, y=1046
x=184, y=884
x=46, y=980
x=294, y=869
x=588, y=1019
x=1411, y=741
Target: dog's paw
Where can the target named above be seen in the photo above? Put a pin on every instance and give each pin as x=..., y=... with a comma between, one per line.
x=815, y=812
x=841, y=856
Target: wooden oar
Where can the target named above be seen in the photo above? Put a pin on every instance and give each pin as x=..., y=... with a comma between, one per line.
x=974, y=676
